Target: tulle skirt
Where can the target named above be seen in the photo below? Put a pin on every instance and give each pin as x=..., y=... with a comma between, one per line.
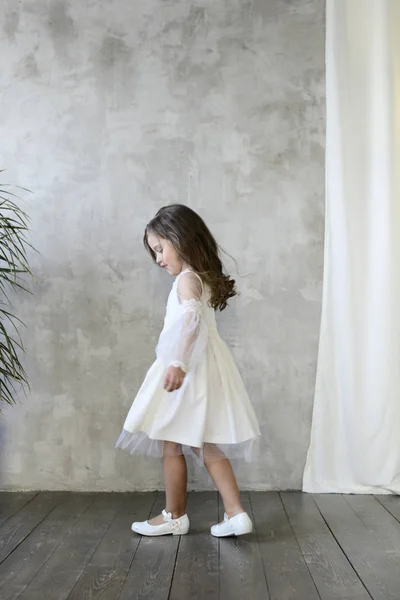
x=140, y=444
x=210, y=417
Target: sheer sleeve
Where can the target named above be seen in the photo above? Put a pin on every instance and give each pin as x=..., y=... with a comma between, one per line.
x=183, y=344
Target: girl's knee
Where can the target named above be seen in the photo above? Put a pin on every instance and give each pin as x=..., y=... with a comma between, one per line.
x=212, y=453
x=172, y=449
x=208, y=453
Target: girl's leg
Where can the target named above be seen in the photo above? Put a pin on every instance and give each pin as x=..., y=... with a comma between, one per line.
x=221, y=473
x=175, y=481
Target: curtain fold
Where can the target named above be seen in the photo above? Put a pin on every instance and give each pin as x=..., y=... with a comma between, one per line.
x=355, y=433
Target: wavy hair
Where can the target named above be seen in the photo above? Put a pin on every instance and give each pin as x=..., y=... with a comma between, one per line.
x=195, y=245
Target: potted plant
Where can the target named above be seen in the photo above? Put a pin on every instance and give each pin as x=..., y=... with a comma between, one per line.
x=13, y=267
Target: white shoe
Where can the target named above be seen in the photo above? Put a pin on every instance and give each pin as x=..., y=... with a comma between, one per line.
x=238, y=525
x=170, y=526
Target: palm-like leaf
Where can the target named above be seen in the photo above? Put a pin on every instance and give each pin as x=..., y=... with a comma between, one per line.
x=13, y=265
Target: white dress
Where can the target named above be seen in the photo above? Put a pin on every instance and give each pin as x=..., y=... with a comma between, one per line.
x=211, y=412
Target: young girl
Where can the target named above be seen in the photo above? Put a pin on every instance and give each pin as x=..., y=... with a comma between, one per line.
x=193, y=398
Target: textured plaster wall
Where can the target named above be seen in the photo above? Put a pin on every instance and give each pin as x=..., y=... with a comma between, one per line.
x=110, y=110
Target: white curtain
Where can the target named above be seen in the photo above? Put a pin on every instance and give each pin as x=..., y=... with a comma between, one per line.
x=355, y=435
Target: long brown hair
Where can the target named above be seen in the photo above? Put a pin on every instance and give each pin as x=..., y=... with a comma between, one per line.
x=196, y=245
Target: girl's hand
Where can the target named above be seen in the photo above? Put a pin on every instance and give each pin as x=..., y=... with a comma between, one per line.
x=173, y=379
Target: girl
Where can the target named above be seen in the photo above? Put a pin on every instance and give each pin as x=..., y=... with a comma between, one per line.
x=193, y=398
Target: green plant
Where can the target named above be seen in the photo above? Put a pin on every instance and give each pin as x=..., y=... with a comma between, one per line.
x=13, y=265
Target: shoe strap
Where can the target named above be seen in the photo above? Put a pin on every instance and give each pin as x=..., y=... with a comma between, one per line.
x=167, y=516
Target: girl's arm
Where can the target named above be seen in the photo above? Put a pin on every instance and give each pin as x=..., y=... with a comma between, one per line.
x=183, y=344
x=192, y=337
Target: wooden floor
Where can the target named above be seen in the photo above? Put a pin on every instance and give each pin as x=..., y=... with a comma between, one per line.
x=79, y=546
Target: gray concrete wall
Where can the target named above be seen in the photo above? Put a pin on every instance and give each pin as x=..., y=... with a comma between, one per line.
x=111, y=110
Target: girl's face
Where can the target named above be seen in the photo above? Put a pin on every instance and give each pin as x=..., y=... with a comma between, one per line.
x=166, y=255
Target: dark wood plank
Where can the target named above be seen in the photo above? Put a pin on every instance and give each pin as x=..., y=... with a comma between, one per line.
x=363, y=533
x=332, y=572
x=106, y=571
x=12, y=502
x=152, y=568
x=197, y=566
x=287, y=573
x=379, y=522
x=241, y=569
x=22, y=523
x=17, y=571
x=391, y=503
x=159, y=504
x=58, y=576
x=62, y=545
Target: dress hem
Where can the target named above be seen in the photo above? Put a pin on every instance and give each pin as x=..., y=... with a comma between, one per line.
x=139, y=443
